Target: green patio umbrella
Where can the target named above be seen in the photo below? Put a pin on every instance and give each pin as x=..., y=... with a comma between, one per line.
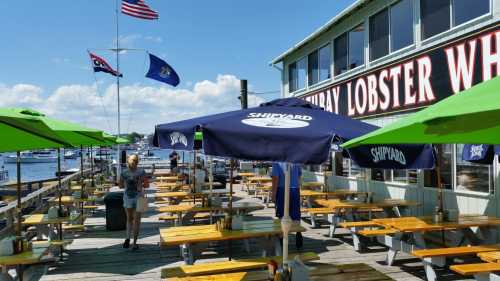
x=23, y=130
x=471, y=116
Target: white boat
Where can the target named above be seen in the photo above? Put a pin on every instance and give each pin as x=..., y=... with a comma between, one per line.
x=69, y=154
x=29, y=157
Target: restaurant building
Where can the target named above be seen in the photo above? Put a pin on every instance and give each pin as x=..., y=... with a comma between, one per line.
x=381, y=60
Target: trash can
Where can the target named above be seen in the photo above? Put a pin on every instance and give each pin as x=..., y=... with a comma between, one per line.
x=116, y=219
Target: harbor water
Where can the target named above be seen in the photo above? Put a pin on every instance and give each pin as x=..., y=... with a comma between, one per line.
x=41, y=171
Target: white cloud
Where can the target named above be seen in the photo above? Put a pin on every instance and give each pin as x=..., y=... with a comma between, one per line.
x=20, y=95
x=142, y=107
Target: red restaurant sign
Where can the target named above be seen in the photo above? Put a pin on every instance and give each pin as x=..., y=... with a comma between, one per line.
x=418, y=81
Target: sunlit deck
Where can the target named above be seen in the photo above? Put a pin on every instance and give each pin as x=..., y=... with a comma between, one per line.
x=97, y=254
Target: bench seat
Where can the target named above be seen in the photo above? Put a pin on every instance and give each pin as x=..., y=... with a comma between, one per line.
x=454, y=251
x=357, y=224
x=475, y=268
x=490, y=256
x=377, y=232
x=228, y=266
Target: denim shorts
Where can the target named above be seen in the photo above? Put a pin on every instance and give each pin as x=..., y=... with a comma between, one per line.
x=130, y=202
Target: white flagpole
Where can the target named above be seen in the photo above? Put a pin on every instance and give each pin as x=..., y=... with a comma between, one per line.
x=118, y=167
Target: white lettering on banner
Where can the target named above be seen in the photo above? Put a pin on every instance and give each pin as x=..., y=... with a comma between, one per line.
x=490, y=59
x=395, y=75
x=279, y=115
x=372, y=93
x=385, y=153
x=384, y=90
x=336, y=94
x=177, y=137
x=425, y=93
x=360, y=100
x=351, y=108
x=410, y=95
x=460, y=68
x=321, y=100
x=328, y=104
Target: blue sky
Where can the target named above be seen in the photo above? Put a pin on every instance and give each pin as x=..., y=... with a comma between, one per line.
x=44, y=47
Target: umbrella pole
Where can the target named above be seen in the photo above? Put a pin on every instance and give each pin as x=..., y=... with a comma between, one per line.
x=194, y=176
x=19, y=206
x=210, y=179
x=59, y=179
x=286, y=221
x=230, y=205
x=81, y=165
x=91, y=167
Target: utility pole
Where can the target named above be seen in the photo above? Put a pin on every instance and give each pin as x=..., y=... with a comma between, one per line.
x=244, y=94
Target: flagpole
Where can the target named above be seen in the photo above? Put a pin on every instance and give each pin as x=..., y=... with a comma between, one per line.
x=118, y=167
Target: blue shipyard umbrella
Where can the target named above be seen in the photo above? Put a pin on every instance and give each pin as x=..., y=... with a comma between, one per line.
x=287, y=130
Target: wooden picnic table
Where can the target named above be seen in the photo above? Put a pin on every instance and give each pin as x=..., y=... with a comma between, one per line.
x=43, y=219
x=22, y=259
x=317, y=271
x=187, y=236
x=204, y=193
x=337, y=210
x=407, y=233
x=184, y=209
x=69, y=200
x=312, y=184
x=310, y=195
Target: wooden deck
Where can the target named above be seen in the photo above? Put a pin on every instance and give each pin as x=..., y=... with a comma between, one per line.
x=98, y=254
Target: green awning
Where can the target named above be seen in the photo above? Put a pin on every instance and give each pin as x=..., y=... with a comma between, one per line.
x=26, y=132
x=471, y=116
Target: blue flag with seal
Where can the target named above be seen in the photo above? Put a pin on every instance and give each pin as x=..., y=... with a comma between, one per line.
x=161, y=71
x=480, y=153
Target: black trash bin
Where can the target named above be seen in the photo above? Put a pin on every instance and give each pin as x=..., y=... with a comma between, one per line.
x=116, y=219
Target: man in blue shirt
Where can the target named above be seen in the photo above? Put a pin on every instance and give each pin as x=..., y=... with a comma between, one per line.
x=278, y=176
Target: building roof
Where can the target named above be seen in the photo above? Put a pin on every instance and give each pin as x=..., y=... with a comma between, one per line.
x=346, y=12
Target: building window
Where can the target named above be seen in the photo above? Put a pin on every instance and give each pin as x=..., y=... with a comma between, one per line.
x=297, y=75
x=340, y=54
x=319, y=62
x=350, y=50
x=312, y=68
x=325, y=61
x=397, y=176
x=302, y=72
x=435, y=15
x=471, y=176
x=445, y=158
x=401, y=15
x=466, y=10
x=292, y=77
x=356, y=44
x=379, y=34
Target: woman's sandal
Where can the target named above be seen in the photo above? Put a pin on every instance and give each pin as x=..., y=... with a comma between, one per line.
x=126, y=244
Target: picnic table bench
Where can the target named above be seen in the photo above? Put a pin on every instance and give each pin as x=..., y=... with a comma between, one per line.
x=230, y=266
x=317, y=271
x=188, y=236
x=486, y=271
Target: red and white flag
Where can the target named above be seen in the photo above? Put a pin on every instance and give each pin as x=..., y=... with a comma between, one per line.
x=138, y=9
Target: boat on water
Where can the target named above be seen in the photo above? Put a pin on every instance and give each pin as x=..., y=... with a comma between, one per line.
x=70, y=154
x=28, y=157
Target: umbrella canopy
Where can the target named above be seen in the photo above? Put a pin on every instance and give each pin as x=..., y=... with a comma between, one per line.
x=25, y=131
x=470, y=117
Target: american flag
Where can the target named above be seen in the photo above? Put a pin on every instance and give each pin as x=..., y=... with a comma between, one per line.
x=138, y=9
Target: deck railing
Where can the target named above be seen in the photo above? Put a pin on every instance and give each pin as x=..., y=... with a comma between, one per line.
x=35, y=198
